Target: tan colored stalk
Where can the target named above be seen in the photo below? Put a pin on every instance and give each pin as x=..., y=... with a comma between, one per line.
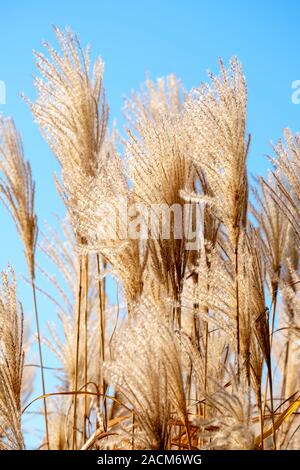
x=205, y=366
x=261, y=417
x=272, y=412
x=274, y=303
x=263, y=337
x=40, y=360
x=102, y=302
x=237, y=309
x=78, y=324
x=86, y=306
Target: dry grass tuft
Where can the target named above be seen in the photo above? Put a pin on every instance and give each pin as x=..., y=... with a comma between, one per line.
x=161, y=344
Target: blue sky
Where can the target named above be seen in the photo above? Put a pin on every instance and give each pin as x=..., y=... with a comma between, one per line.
x=138, y=36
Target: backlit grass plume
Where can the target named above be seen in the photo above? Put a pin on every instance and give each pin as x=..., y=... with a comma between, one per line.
x=175, y=290
x=146, y=369
x=11, y=364
x=17, y=188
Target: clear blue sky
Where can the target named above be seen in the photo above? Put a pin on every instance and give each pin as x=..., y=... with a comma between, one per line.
x=138, y=36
